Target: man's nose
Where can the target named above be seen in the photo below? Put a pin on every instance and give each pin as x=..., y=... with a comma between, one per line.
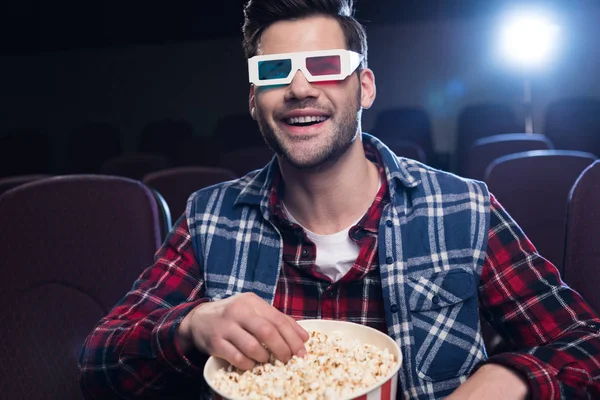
x=300, y=88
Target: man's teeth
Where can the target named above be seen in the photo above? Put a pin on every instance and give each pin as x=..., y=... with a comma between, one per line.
x=305, y=120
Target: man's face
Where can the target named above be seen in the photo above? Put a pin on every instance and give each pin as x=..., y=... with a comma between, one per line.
x=308, y=124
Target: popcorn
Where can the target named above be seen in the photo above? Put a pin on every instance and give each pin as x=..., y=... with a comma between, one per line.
x=333, y=368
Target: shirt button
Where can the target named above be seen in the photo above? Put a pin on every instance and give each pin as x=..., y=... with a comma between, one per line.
x=435, y=299
x=394, y=308
x=389, y=223
x=389, y=260
x=304, y=252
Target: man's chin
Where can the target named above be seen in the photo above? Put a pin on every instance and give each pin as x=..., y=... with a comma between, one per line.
x=310, y=164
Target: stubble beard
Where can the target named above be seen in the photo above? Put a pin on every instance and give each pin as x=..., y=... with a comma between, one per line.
x=343, y=132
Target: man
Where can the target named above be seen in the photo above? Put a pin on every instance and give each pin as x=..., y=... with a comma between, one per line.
x=336, y=226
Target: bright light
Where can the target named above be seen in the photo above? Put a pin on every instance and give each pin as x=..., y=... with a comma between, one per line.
x=529, y=40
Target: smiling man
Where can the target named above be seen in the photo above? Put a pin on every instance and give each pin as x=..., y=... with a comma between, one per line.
x=310, y=126
x=336, y=226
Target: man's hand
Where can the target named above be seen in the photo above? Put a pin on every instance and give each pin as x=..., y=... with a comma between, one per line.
x=490, y=382
x=242, y=329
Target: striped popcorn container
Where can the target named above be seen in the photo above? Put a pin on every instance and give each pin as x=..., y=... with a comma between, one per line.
x=383, y=363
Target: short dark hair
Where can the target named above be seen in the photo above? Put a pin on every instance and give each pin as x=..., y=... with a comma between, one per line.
x=260, y=14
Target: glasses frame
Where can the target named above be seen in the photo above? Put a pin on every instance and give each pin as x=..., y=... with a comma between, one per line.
x=349, y=61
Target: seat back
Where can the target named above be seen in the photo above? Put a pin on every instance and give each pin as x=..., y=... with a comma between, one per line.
x=407, y=149
x=164, y=214
x=243, y=160
x=43, y=328
x=177, y=184
x=135, y=165
x=574, y=124
x=408, y=124
x=10, y=182
x=534, y=187
x=481, y=120
x=485, y=150
x=582, y=253
x=71, y=248
x=93, y=233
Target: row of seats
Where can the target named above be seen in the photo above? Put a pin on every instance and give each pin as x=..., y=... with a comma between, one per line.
x=571, y=124
x=171, y=186
x=530, y=178
x=239, y=161
x=89, y=145
x=534, y=187
x=482, y=152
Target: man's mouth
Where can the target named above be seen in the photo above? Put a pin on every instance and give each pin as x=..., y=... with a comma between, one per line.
x=305, y=121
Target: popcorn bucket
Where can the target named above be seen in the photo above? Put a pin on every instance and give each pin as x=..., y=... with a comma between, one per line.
x=385, y=389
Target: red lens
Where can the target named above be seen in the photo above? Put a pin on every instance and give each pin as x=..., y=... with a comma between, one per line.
x=326, y=65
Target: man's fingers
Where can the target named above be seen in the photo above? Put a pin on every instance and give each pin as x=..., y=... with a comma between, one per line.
x=230, y=353
x=301, y=331
x=293, y=336
x=269, y=334
x=286, y=327
x=248, y=344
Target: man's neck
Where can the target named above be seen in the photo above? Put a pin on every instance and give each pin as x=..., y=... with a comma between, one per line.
x=329, y=200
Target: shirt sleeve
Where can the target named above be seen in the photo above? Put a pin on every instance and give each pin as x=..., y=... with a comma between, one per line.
x=132, y=352
x=553, y=331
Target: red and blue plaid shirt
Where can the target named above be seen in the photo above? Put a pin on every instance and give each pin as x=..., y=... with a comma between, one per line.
x=321, y=298
x=132, y=353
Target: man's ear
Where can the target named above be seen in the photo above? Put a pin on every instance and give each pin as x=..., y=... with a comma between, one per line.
x=369, y=91
x=252, y=102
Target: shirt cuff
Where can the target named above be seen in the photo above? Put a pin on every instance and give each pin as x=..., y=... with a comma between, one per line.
x=541, y=377
x=166, y=346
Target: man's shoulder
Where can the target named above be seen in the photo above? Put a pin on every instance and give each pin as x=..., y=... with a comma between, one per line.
x=412, y=173
x=424, y=172
x=227, y=190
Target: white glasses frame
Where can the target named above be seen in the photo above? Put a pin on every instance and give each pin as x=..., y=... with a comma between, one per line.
x=350, y=60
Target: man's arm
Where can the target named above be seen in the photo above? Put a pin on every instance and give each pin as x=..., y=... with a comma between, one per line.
x=133, y=351
x=554, y=331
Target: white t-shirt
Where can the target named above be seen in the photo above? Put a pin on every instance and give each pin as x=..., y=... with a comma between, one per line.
x=336, y=253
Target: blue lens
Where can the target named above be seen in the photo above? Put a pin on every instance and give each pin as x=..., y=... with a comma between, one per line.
x=274, y=69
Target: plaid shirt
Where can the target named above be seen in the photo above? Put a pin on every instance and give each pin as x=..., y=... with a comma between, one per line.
x=132, y=352
x=304, y=293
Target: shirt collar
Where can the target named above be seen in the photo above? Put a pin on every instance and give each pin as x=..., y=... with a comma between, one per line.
x=258, y=186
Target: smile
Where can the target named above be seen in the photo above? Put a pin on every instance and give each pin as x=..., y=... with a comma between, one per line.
x=306, y=120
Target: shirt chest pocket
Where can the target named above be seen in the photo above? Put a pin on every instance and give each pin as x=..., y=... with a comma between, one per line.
x=445, y=323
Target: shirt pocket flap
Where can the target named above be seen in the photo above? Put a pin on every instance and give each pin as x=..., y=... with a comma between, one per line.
x=440, y=289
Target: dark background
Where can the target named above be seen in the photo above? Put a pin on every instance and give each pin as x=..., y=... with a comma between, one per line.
x=28, y=26
x=128, y=64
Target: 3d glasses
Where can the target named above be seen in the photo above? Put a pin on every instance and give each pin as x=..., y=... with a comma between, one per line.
x=317, y=66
